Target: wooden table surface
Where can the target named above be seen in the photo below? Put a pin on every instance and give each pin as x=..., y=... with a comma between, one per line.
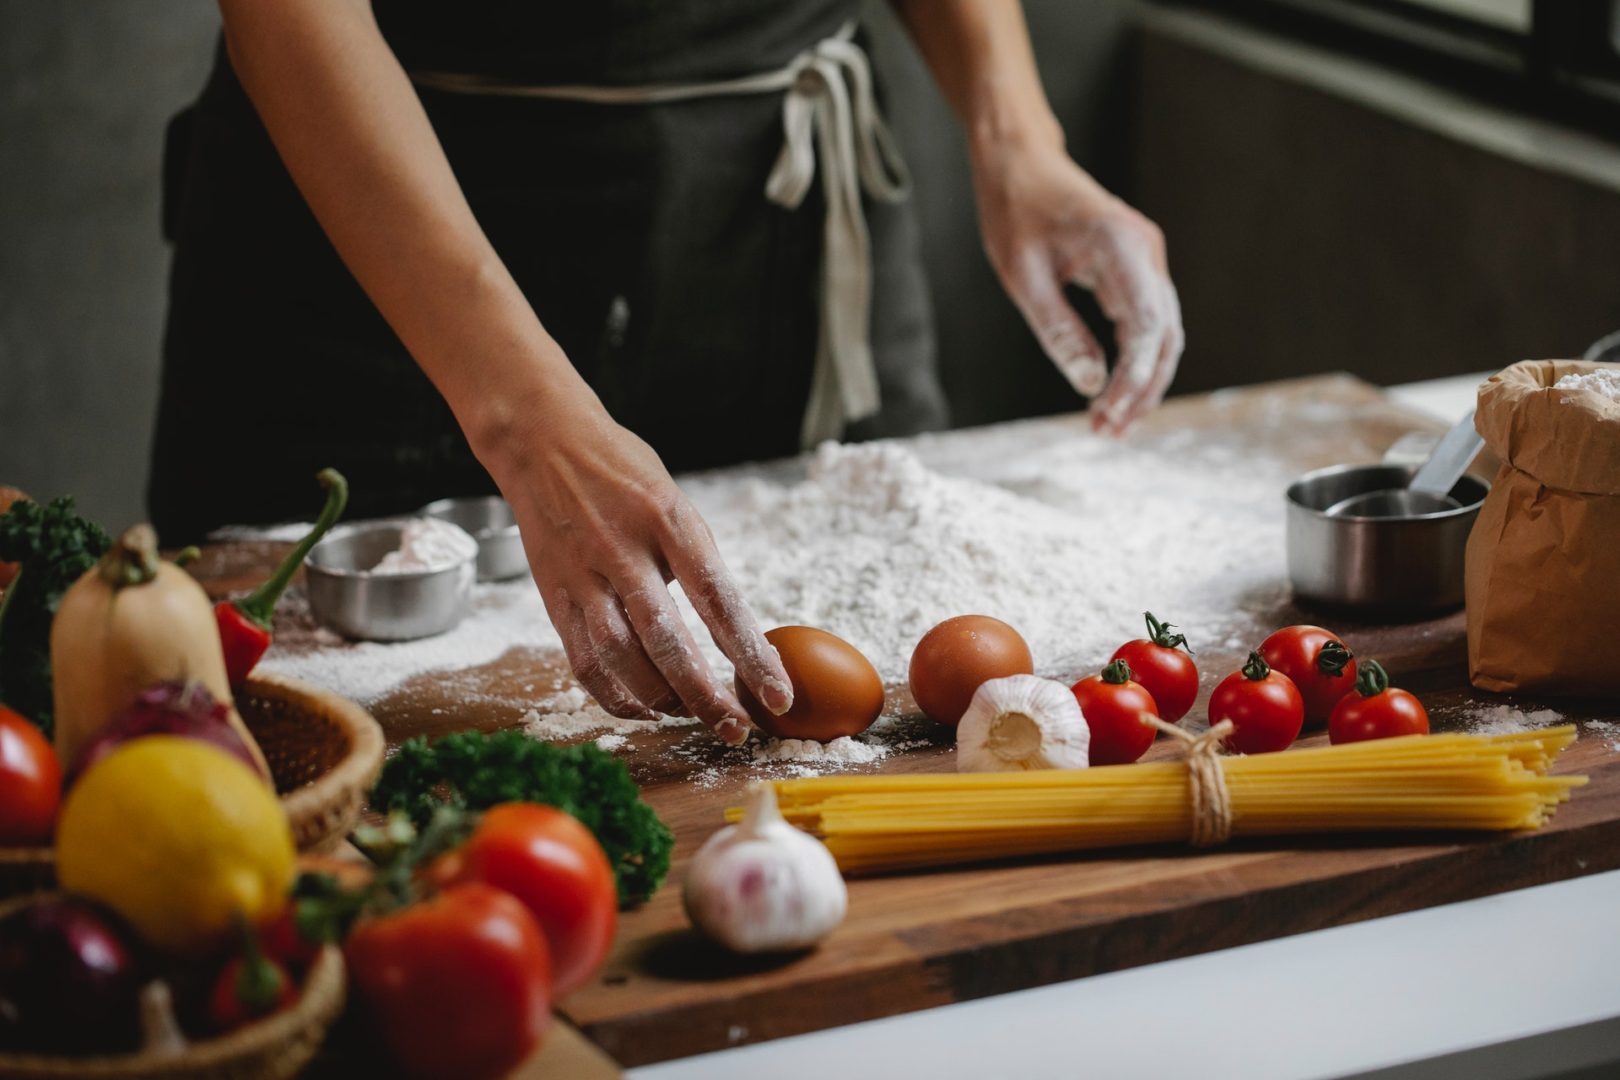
x=919, y=940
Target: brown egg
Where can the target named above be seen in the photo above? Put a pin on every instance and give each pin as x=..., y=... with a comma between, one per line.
x=836, y=690
x=958, y=656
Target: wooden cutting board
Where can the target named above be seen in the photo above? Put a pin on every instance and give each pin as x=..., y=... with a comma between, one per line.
x=918, y=940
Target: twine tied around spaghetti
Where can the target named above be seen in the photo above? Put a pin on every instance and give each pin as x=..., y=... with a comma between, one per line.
x=1206, y=780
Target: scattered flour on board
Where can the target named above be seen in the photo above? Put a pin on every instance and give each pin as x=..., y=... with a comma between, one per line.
x=841, y=751
x=1607, y=730
x=1506, y=720
x=1068, y=539
x=571, y=713
x=1604, y=382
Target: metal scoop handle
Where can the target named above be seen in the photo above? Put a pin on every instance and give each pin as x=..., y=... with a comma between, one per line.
x=1450, y=459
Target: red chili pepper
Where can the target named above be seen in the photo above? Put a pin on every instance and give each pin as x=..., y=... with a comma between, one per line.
x=244, y=625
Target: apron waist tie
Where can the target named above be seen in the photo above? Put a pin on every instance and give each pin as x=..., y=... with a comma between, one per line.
x=829, y=110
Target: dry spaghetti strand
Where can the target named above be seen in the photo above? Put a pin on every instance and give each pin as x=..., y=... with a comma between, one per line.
x=1419, y=782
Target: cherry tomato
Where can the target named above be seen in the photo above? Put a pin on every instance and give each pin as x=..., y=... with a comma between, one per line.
x=1264, y=706
x=1165, y=671
x=458, y=985
x=1376, y=710
x=285, y=942
x=554, y=866
x=30, y=783
x=248, y=988
x=324, y=899
x=1319, y=664
x=1113, y=706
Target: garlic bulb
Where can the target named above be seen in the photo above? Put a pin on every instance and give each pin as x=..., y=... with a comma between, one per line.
x=762, y=885
x=1022, y=722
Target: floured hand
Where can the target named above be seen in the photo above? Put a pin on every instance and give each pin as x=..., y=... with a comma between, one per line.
x=606, y=531
x=1046, y=224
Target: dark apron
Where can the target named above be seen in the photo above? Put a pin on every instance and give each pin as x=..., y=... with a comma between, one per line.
x=640, y=234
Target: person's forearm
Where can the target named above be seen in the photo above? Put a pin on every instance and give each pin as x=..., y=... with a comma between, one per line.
x=980, y=55
x=347, y=123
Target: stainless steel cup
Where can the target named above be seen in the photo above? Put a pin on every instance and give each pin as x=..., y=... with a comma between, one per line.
x=346, y=596
x=490, y=521
x=1401, y=566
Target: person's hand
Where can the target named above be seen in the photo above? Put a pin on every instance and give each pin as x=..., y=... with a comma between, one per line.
x=606, y=530
x=1047, y=224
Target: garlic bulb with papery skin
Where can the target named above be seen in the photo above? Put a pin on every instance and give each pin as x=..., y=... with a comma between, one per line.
x=762, y=885
x=1022, y=722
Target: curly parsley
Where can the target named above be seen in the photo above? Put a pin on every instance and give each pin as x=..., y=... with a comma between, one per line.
x=476, y=770
x=53, y=546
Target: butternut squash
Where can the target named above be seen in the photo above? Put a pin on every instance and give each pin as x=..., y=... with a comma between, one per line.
x=130, y=622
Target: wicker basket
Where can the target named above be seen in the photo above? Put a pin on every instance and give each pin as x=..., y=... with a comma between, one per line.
x=272, y=1049
x=324, y=752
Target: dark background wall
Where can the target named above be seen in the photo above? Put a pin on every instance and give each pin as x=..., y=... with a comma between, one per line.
x=85, y=90
x=1312, y=226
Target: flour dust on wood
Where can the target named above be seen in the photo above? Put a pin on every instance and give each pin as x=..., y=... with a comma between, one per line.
x=1066, y=536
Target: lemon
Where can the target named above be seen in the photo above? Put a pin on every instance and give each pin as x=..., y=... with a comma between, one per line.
x=178, y=837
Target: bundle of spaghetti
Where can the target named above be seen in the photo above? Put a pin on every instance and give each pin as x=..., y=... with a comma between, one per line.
x=1420, y=782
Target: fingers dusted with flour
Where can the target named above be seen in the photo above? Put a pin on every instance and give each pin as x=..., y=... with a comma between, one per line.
x=1050, y=226
x=1071, y=347
x=696, y=564
x=606, y=530
x=1046, y=224
x=1120, y=258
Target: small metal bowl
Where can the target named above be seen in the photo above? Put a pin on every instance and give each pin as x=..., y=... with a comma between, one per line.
x=345, y=595
x=1399, y=566
x=490, y=520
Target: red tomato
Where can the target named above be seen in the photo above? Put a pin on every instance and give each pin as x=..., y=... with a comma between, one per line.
x=1113, y=706
x=1319, y=664
x=30, y=783
x=285, y=943
x=249, y=987
x=552, y=863
x=313, y=909
x=458, y=985
x=1264, y=706
x=1376, y=710
x=1164, y=671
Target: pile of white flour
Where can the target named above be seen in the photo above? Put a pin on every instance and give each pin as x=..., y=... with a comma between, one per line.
x=428, y=544
x=1069, y=539
x=1604, y=382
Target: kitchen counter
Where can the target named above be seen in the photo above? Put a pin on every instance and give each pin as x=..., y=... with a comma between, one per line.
x=926, y=940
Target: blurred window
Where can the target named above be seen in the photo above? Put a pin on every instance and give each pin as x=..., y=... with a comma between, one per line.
x=1559, y=58
x=1507, y=14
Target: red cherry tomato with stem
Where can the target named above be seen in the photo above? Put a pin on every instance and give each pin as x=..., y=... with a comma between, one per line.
x=1164, y=670
x=1319, y=664
x=1376, y=710
x=458, y=985
x=1264, y=706
x=1113, y=706
x=554, y=866
x=30, y=783
x=250, y=986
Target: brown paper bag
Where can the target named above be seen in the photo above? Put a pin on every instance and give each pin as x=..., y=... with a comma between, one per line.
x=1543, y=571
